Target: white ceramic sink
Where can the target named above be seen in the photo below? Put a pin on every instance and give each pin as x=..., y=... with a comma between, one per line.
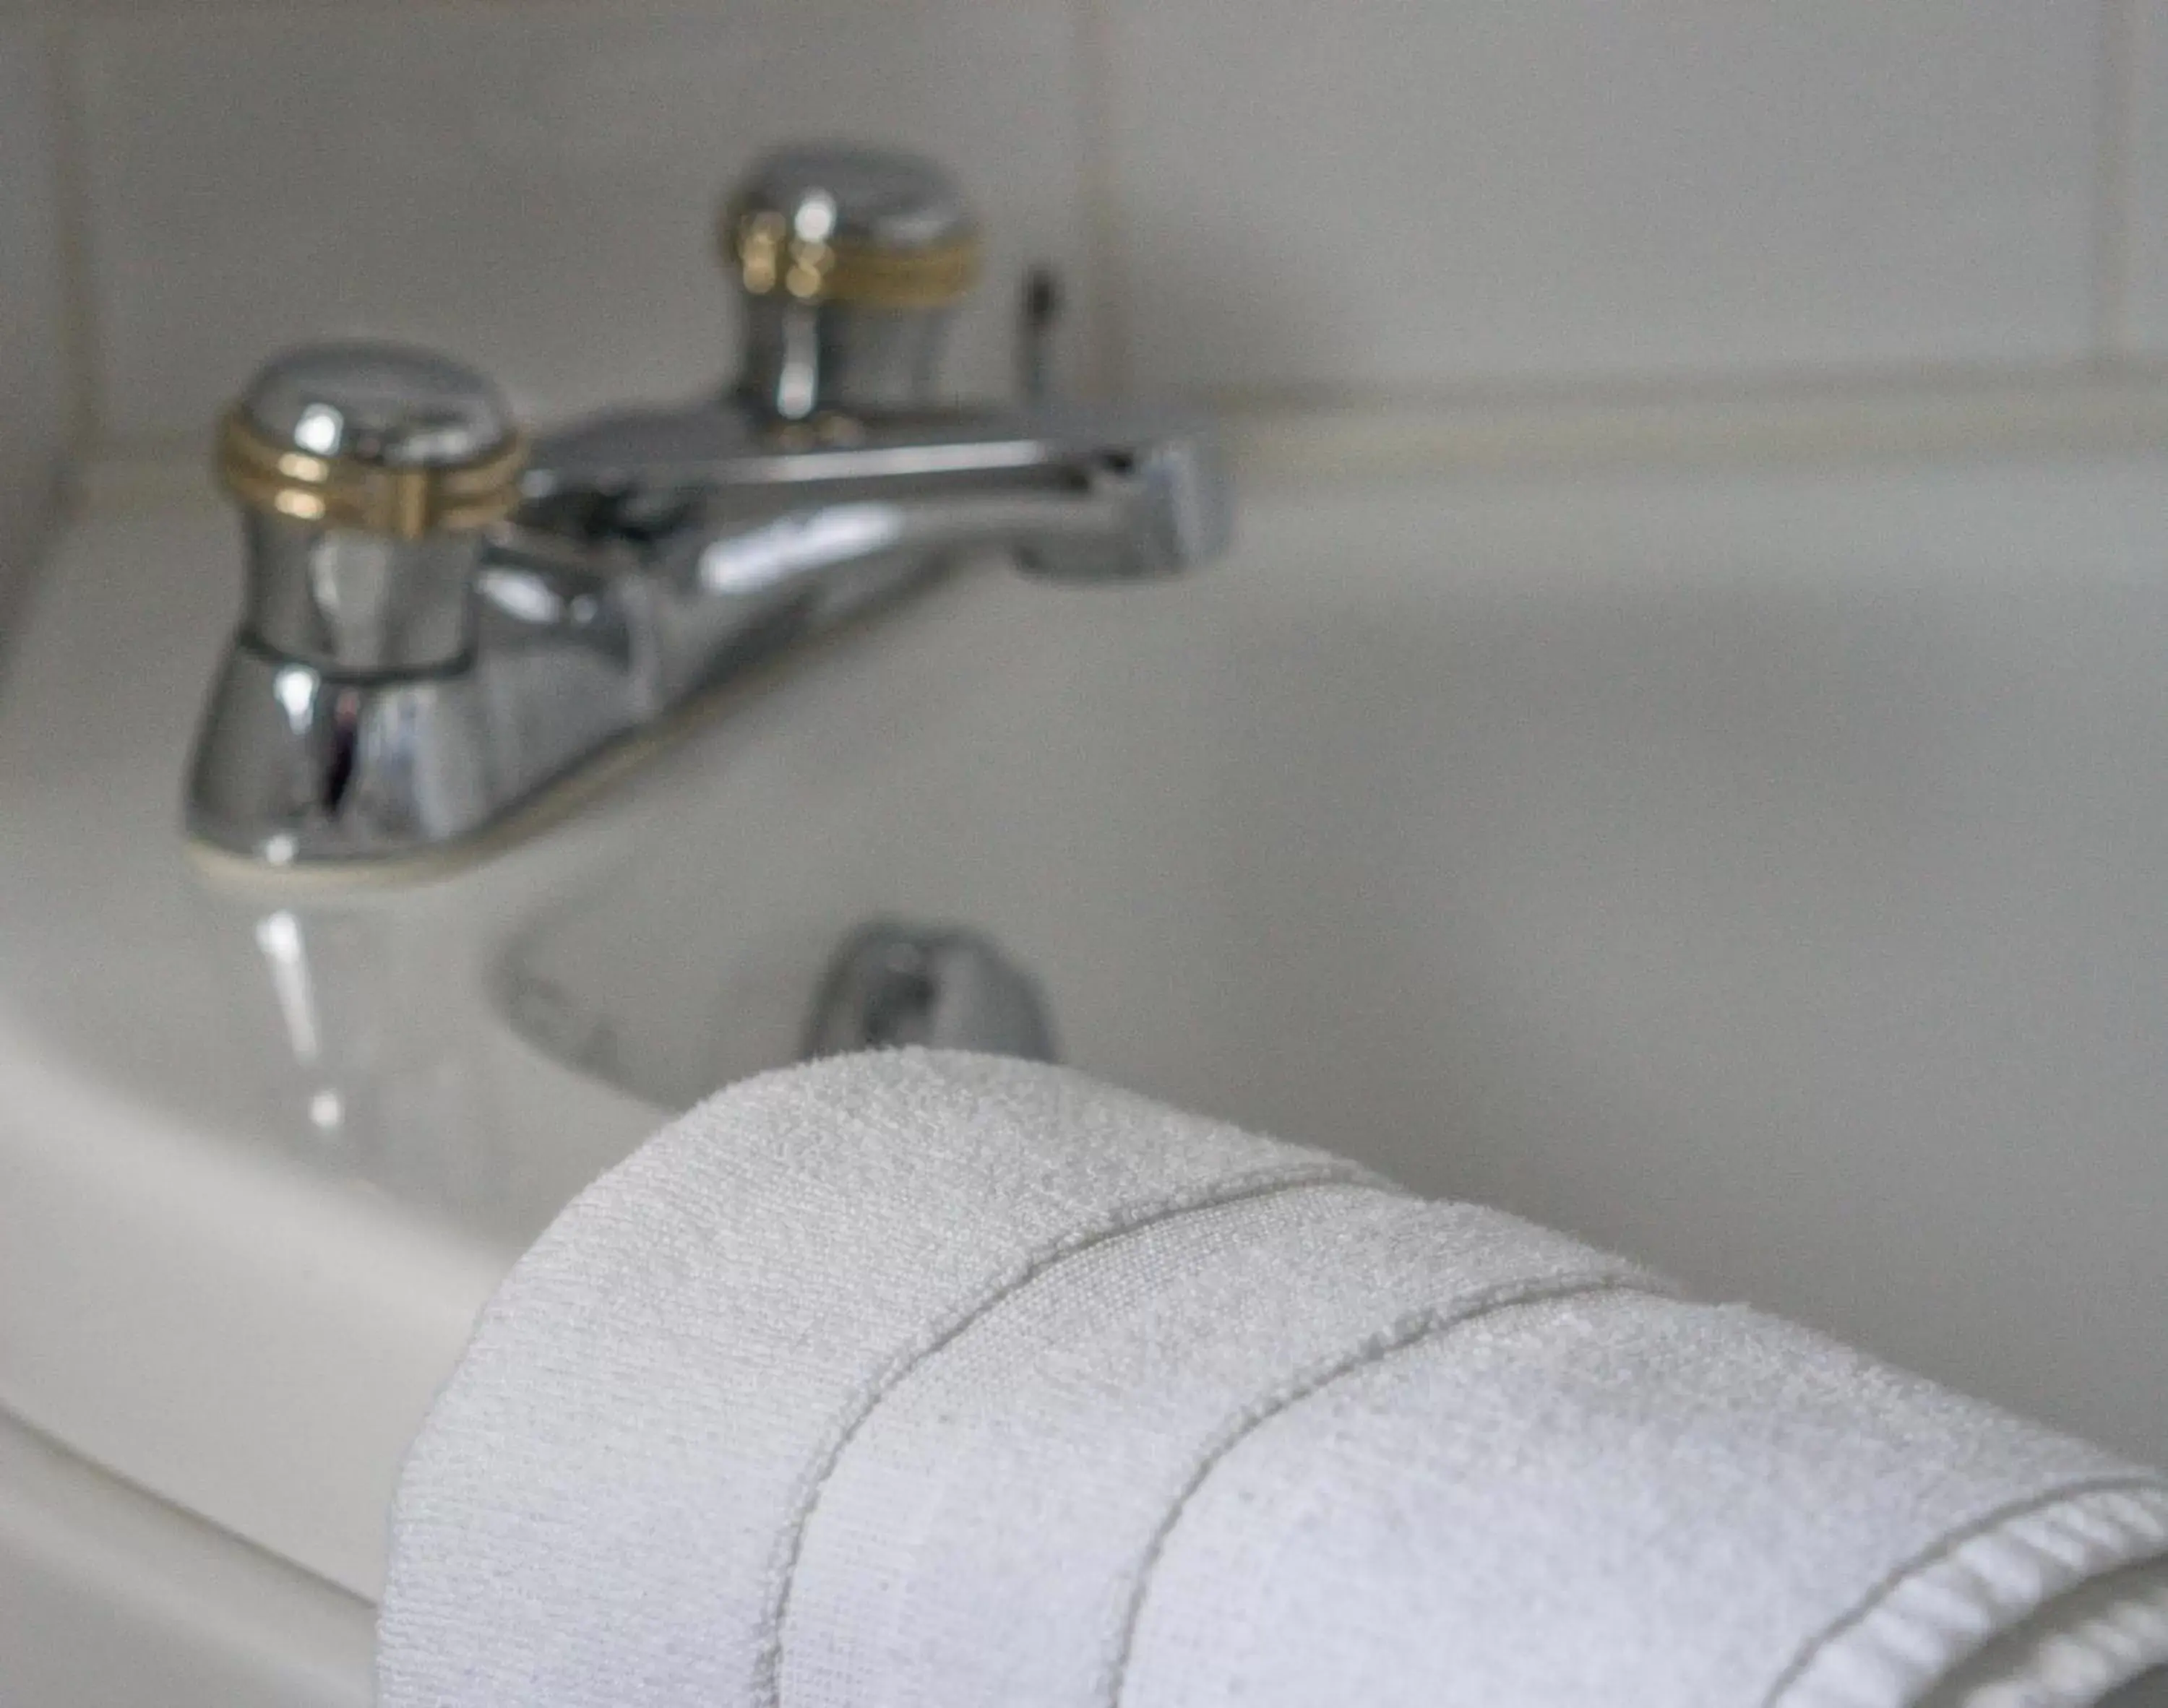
x=1765, y=873
x=1767, y=876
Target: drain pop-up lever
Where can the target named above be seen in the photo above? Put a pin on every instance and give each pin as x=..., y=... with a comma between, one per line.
x=945, y=987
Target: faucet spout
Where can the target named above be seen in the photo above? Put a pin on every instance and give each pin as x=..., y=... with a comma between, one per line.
x=746, y=536
x=1070, y=493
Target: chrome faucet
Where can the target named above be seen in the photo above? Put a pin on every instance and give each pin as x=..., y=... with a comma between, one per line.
x=440, y=625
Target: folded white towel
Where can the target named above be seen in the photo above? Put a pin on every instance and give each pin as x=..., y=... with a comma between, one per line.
x=945, y=1382
x=1680, y=1504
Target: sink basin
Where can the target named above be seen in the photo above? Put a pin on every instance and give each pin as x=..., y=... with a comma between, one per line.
x=1763, y=876
x=1759, y=871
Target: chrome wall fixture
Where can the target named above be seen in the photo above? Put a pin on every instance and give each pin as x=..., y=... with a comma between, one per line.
x=442, y=623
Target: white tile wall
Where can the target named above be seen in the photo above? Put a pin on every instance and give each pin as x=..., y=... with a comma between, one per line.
x=2142, y=294
x=33, y=401
x=532, y=186
x=1257, y=198
x=1402, y=194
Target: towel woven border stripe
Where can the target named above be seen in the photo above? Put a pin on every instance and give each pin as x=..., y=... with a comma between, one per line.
x=1411, y=1331
x=1265, y=1183
x=2127, y=1531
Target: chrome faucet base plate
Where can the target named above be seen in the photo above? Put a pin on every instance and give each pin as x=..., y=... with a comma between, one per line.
x=319, y=848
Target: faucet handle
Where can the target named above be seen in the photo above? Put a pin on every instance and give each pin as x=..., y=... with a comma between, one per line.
x=875, y=227
x=377, y=438
x=365, y=473
x=849, y=260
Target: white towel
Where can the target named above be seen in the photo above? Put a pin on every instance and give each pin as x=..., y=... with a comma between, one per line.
x=935, y=1381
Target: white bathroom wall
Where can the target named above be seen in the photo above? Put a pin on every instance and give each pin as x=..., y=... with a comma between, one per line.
x=34, y=427
x=1400, y=193
x=532, y=186
x=2139, y=288
x=1256, y=200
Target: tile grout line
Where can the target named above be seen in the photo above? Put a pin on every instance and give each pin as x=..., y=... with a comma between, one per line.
x=78, y=314
x=1108, y=365
x=2112, y=183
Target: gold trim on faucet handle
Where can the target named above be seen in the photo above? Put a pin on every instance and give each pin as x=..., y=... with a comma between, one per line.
x=768, y=259
x=335, y=491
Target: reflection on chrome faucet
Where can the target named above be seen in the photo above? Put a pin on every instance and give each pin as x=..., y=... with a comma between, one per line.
x=351, y=1074
x=439, y=625
x=279, y=936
